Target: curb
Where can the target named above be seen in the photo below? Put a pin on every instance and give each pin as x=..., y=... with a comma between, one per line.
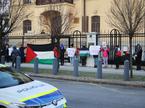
x=92, y=80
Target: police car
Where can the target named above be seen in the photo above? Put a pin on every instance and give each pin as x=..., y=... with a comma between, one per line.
x=20, y=91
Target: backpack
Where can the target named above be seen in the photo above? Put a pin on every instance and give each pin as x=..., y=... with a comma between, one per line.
x=15, y=53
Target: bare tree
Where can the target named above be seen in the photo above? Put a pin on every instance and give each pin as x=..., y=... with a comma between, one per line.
x=57, y=21
x=127, y=16
x=11, y=14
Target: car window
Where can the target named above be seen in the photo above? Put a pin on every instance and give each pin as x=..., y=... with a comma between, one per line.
x=9, y=78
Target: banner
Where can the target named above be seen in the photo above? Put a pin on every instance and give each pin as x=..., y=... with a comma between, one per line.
x=71, y=52
x=44, y=53
x=94, y=50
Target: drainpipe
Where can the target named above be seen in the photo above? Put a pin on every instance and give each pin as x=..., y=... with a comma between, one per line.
x=84, y=7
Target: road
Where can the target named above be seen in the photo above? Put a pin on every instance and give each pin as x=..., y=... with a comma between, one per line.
x=86, y=95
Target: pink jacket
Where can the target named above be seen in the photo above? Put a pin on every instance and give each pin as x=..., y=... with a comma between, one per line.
x=105, y=52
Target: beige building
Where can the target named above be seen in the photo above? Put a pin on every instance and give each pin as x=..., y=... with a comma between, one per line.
x=88, y=16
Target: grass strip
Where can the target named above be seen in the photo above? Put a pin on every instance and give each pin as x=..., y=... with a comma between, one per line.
x=109, y=76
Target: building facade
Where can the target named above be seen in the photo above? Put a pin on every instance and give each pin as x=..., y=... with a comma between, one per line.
x=87, y=16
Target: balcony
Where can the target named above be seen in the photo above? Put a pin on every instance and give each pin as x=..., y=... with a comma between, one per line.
x=44, y=2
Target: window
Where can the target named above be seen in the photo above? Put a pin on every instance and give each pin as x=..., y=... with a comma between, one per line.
x=85, y=20
x=26, y=26
x=95, y=26
x=26, y=1
x=9, y=78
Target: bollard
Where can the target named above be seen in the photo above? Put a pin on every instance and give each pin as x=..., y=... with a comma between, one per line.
x=3, y=59
x=126, y=70
x=55, y=68
x=18, y=63
x=36, y=70
x=99, y=69
x=75, y=65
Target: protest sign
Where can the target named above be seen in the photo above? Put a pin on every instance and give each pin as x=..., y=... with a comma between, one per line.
x=94, y=50
x=71, y=52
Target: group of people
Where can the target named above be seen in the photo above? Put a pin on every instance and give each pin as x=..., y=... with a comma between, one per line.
x=103, y=55
x=82, y=53
x=119, y=55
x=11, y=54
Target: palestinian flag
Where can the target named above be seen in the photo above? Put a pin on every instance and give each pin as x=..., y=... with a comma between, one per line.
x=44, y=53
x=84, y=52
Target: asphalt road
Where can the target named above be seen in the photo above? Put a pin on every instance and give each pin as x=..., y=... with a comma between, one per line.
x=86, y=95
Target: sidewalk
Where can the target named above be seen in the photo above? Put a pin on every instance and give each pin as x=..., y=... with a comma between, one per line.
x=69, y=67
x=110, y=70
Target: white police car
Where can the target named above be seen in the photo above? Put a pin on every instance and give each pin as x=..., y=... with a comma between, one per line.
x=20, y=91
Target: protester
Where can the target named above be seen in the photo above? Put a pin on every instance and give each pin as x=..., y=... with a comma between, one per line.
x=77, y=52
x=138, y=56
x=105, y=53
x=117, y=56
x=83, y=55
x=14, y=55
x=6, y=53
x=56, y=54
x=95, y=52
x=125, y=54
x=22, y=54
x=62, y=51
x=71, y=53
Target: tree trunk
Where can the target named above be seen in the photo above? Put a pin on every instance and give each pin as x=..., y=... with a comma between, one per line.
x=130, y=45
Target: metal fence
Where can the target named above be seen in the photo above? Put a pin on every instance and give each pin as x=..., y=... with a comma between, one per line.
x=78, y=41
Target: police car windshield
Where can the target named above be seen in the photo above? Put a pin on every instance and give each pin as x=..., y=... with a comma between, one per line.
x=9, y=78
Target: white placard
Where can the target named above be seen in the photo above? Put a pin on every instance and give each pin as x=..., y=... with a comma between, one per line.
x=71, y=52
x=125, y=48
x=94, y=50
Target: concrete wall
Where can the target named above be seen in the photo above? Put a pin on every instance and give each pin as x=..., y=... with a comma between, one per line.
x=93, y=7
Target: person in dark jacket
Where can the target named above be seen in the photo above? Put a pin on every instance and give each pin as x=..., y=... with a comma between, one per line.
x=138, y=55
x=117, y=56
x=83, y=57
x=14, y=55
x=22, y=54
x=6, y=53
x=62, y=51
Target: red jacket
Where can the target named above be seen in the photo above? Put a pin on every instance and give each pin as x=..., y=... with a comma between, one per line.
x=56, y=52
x=118, y=53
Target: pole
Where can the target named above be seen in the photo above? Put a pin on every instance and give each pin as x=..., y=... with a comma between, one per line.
x=99, y=69
x=75, y=64
x=126, y=70
x=55, y=66
x=18, y=63
x=3, y=59
x=36, y=69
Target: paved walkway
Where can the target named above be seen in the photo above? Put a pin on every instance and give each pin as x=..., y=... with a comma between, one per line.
x=110, y=69
x=69, y=67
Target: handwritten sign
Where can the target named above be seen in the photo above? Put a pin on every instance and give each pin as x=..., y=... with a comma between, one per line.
x=125, y=48
x=94, y=50
x=71, y=52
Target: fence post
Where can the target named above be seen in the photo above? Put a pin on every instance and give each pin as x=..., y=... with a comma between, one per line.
x=75, y=65
x=36, y=70
x=126, y=70
x=55, y=67
x=99, y=69
x=3, y=59
x=18, y=63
